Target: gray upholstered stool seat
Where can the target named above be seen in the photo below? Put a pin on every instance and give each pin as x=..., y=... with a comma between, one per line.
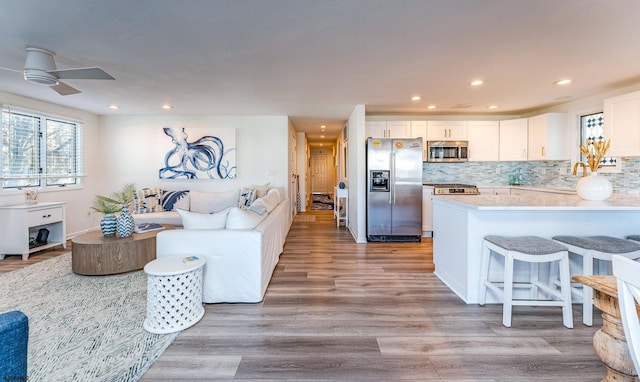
x=634, y=238
x=534, y=250
x=595, y=248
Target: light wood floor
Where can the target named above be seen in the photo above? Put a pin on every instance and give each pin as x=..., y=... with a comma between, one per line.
x=340, y=311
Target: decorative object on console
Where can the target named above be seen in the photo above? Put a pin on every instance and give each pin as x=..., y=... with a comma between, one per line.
x=593, y=187
x=31, y=196
x=208, y=157
x=125, y=223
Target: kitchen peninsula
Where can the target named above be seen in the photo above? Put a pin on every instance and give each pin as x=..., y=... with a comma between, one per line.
x=461, y=222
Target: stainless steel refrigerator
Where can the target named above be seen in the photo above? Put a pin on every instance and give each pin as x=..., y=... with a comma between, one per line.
x=394, y=189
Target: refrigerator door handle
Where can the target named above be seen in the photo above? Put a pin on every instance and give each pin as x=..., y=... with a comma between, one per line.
x=393, y=178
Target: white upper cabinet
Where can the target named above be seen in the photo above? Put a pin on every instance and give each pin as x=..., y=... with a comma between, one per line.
x=398, y=129
x=376, y=129
x=513, y=140
x=388, y=129
x=548, y=137
x=419, y=130
x=484, y=140
x=622, y=124
x=447, y=130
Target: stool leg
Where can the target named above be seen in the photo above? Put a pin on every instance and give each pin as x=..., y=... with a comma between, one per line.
x=587, y=293
x=565, y=290
x=533, y=278
x=507, y=304
x=484, y=276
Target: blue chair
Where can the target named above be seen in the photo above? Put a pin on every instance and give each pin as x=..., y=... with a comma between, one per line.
x=14, y=336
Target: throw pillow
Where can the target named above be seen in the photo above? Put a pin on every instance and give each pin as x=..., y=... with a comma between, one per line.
x=207, y=202
x=243, y=219
x=147, y=200
x=196, y=220
x=270, y=200
x=172, y=200
x=247, y=196
x=261, y=190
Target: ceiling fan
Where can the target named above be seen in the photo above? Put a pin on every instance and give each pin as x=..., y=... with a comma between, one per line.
x=40, y=68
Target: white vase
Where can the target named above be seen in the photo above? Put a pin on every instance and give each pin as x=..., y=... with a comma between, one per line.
x=594, y=187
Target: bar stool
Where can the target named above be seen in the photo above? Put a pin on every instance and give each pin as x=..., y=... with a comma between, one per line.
x=598, y=248
x=534, y=250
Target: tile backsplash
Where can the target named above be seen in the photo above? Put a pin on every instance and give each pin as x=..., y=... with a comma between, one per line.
x=549, y=174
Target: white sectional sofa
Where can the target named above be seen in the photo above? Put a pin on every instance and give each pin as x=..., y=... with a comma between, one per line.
x=240, y=246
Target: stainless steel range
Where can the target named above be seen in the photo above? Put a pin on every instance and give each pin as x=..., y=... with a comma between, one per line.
x=454, y=188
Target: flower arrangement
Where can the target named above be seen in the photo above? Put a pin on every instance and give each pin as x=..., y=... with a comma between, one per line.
x=113, y=204
x=594, y=151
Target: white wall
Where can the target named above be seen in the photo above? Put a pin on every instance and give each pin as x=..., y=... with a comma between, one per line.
x=78, y=199
x=131, y=153
x=357, y=174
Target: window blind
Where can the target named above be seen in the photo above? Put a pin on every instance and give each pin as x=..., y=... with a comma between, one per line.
x=39, y=151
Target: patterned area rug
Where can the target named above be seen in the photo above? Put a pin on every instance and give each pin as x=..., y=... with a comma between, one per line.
x=321, y=202
x=83, y=328
x=301, y=218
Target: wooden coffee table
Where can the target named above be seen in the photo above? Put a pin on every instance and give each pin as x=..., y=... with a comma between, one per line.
x=94, y=254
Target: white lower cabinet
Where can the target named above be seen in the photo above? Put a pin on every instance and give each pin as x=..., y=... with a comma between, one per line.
x=427, y=211
x=19, y=224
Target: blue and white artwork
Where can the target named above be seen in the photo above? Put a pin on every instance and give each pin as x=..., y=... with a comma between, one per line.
x=210, y=156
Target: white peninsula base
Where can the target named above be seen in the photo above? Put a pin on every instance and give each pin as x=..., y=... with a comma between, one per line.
x=461, y=223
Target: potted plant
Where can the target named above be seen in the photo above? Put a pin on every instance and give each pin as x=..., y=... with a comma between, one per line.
x=109, y=206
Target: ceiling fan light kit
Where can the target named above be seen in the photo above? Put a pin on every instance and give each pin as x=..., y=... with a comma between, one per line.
x=40, y=68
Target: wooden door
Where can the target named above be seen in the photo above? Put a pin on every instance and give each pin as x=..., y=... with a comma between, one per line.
x=319, y=181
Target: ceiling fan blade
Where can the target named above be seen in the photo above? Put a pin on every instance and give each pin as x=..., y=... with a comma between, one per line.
x=11, y=70
x=82, y=74
x=64, y=89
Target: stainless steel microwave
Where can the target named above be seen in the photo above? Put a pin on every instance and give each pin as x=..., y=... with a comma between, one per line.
x=447, y=151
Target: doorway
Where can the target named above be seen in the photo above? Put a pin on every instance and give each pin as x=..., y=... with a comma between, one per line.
x=319, y=174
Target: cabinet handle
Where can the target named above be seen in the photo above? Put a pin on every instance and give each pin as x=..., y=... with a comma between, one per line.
x=542, y=150
x=46, y=216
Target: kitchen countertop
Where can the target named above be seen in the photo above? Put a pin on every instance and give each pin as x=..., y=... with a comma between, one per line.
x=618, y=201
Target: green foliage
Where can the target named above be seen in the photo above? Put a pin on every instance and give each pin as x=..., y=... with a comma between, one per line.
x=113, y=204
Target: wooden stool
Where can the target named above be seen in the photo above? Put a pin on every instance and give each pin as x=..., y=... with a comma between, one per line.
x=598, y=248
x=534, y=250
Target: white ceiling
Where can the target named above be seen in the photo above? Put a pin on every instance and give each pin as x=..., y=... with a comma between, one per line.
x=314, y=60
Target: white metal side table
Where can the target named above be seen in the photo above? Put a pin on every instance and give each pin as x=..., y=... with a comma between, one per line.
x=174, y=294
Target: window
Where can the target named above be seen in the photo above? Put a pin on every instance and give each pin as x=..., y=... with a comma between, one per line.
x=39, y=151
x=591, y=130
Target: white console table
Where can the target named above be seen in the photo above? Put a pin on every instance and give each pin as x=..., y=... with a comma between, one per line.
x=340, y=193
x=19, y=223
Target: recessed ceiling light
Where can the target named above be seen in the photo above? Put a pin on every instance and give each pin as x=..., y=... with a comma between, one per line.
x=114, y=107
x=323, y=126
x=431, y=107
x=167, y=107
x=562, y=82
x=322, y=136
x=476, y=83
x=416, y=98
x=492, y=107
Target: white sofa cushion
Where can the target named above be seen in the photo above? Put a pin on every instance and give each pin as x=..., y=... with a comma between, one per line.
x=165, y=217
x=207, y=202
x=261, y=189
x=196, y=220
x=239, y=218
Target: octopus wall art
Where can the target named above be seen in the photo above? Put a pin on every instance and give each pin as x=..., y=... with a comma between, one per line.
x=208, y=157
